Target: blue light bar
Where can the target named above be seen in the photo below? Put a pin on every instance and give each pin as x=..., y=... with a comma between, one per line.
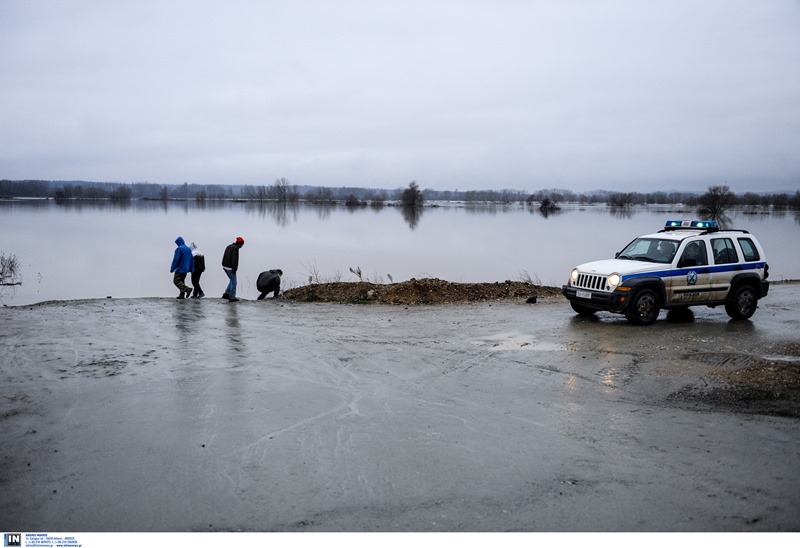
x=691, y=224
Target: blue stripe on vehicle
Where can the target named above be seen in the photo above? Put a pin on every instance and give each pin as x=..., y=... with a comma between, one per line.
x=684, y=271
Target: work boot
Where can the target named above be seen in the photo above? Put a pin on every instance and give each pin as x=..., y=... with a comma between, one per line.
x=225, y=296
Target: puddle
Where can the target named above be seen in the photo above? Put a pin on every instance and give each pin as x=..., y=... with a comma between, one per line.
x=735, y=359
x=521, y=342
x=779, y=358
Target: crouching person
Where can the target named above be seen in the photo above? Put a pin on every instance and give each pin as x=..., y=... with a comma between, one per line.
x=269, y=281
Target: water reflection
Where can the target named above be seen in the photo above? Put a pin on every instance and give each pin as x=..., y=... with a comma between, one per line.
x=620, y=212
x=182, y=322
x=280, y=213
x=323, y=210
x=353, y=207
x=481, y=209
x=577, y=320
x=79, y=205
x=546, y=212
x=412, y=215
x=234, y=331
x=740, y=327
x=722, y=219
x=7, y=293
x=186, y=314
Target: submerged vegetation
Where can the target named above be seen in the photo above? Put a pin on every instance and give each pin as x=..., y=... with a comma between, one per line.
x=9, y=269
x=10, y=272
x=714, y=201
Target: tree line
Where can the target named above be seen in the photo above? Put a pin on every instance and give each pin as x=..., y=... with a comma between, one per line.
x=283, y=191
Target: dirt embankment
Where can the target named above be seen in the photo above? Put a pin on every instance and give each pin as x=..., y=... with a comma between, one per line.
x=422, y=291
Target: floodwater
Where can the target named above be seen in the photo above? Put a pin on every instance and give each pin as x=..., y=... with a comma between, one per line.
x=86, y=250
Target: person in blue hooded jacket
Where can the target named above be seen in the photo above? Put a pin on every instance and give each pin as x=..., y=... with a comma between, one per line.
x=182, y=264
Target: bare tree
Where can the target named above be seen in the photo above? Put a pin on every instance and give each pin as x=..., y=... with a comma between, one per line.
x=121, y=194
x=794, y=201
x=353, y=201
x=320, y=195
x=279, y=191
x=621, y=199
x=717, y=200
x=9, y=271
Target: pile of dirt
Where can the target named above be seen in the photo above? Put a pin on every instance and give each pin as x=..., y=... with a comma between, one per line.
x=422, y=291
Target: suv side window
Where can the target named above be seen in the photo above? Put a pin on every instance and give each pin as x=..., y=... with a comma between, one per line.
x=749, y=250
x=694, y=254
x=724, y=252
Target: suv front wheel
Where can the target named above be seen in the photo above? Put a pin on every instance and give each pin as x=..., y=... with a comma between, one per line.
x=644, y=308
x=742, y=304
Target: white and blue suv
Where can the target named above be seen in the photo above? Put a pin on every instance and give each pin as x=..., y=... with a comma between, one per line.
x=687, y=263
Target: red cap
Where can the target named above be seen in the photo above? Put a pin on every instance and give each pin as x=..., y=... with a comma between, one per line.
x=239, y=240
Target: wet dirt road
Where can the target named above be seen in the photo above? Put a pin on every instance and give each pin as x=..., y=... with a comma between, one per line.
x=164, y=415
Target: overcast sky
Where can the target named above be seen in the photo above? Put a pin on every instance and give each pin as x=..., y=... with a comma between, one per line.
x=622, y=95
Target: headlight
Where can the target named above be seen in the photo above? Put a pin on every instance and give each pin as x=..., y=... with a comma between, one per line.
x=614, y=279
x=574, y=275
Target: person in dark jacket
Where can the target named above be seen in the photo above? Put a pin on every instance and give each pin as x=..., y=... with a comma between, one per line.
x=197, y=271
x=230, y=264
x=182, y=264
x=269, y=281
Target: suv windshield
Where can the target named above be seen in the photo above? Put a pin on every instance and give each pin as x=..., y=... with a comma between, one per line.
x=652, y=250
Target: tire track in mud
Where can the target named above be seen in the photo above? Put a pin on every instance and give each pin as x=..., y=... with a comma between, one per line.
x=610, y=368
x=330, y=370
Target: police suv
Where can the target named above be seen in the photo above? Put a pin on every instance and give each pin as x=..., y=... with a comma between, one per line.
x=687, y=263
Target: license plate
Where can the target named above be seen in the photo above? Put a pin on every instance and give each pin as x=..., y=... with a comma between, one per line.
x=584, y=294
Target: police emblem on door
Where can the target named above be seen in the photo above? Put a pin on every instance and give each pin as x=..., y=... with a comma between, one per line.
x=691, y=277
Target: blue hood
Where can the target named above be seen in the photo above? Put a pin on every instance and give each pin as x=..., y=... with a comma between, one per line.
x=182, y=260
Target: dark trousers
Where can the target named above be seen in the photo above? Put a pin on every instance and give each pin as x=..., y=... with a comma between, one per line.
x=276, y=287
x=196, y=284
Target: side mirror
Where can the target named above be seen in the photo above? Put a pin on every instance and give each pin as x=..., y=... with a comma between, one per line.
x=687, y=262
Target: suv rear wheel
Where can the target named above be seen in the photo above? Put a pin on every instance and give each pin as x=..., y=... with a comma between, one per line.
x=644, y=308
x=742, y=304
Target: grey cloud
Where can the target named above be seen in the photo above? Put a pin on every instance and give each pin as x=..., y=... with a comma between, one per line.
x=469, y=94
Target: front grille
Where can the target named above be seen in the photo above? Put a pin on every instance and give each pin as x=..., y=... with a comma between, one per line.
x=591, y=281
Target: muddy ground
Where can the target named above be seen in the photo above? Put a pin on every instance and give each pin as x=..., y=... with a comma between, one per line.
x=749, y=384
x=487, y=412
